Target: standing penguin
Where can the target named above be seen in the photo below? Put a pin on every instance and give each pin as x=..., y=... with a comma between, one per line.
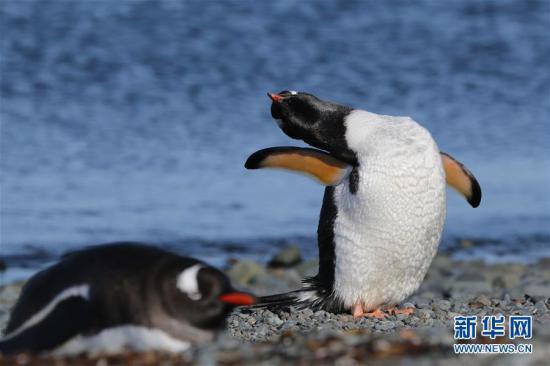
x=113, y=297
x=384, y=206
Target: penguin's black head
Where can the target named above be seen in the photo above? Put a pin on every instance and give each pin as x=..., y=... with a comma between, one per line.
x=319, y=123
x=204, y=296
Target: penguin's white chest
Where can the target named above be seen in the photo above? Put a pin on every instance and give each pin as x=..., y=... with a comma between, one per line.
x=387, y=233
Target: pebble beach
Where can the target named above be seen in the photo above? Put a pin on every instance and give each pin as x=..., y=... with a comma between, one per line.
x=290, y=336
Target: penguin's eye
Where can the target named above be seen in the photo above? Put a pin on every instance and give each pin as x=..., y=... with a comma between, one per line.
x=288, y=93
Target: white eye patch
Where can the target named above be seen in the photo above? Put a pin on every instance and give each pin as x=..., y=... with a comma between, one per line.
x=188, y=282
x=293, y=92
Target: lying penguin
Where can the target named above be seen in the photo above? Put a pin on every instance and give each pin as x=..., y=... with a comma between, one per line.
x=384, y=206
x=120, y=296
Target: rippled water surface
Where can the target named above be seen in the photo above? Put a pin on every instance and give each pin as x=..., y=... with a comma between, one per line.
x=132, y=120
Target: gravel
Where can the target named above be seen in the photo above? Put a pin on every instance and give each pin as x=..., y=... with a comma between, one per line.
x=287, y=257
x=291, y=336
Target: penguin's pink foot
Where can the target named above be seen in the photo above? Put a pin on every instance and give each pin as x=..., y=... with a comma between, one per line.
x=396, y=311
x=357, y=310
x=377, y=313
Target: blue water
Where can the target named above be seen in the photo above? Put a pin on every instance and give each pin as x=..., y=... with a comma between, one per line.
x=132, y=120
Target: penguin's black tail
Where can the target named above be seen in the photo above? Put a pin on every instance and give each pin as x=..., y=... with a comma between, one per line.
x=291, y=298
x=307, y=297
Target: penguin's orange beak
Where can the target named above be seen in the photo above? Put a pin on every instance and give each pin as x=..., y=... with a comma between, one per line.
x=275, y=97
x=238, y=299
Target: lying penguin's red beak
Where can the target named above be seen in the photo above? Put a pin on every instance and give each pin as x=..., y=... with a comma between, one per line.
x=238, y=299
x=275, y=97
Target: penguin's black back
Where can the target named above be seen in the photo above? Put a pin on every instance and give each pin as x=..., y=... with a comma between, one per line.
x=122, y=277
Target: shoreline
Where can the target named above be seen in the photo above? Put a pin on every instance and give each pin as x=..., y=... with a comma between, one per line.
x=20, y=265
x=451, y=287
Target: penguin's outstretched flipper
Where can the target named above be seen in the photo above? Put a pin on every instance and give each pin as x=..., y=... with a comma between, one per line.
x=314, y=163
x=461, y=179
x=63, y=318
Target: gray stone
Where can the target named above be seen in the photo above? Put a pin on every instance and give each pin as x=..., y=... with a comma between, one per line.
x=268, y=284
x=471, y=276
x=444, y=304
x=287, y=257
x=541, y=307
x=384, y=325
x=507, y=280
x=472, y=282
x=275, y=320
x=293, y=277
x=515, y=293
x=427, y=322
x=320, y=314
x=307, y=313
x=423, y=305
x=425, y=313
x=451, y=314
x=538, y=291
x=308, y=268
x=483, y=300
x=243, y=272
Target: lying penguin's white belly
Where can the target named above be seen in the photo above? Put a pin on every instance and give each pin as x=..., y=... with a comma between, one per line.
x=387, y=233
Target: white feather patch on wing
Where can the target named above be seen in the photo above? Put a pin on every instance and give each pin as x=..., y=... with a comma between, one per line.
x=188, y=282
x=122, y=338
x=80, y=290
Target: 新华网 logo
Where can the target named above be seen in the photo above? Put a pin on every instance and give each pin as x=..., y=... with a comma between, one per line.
x=493, y=327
